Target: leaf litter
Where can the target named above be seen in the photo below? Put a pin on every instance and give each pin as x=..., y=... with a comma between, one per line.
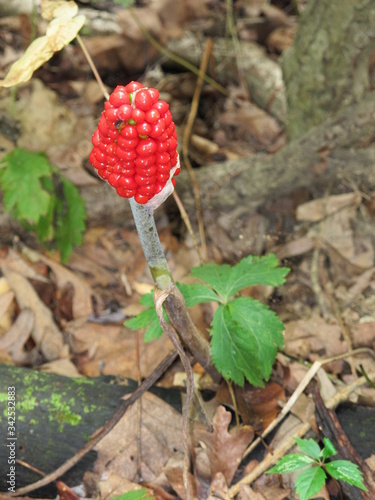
x=107, y=274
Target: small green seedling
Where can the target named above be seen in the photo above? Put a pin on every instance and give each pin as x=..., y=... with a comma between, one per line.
x=245, y=334
x=312, y=480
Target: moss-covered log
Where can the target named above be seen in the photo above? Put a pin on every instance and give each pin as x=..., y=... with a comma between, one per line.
x=55, y=417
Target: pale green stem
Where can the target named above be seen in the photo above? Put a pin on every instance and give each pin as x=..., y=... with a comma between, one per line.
x=148, y=235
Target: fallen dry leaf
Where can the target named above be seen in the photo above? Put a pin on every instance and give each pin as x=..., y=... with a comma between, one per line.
x=82, y=298
x=314, y=338
x=316, y=210
x=225, y=448
x=14, y=340
x=112, y=350
x=45, y=333
x=160, y=440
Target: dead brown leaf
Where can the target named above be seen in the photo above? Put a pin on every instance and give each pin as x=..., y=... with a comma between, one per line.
x=314, y=338
x=160, y=438
x=14, y=340
x=225, y=448
x=111, y=350
x=45, y=333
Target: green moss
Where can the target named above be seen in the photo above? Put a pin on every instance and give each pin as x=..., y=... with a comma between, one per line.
x=60, y=411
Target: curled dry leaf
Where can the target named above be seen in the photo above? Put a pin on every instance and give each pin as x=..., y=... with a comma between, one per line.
x=58, y=8
x=60, y=32
x=225, y=448
x=44, y=332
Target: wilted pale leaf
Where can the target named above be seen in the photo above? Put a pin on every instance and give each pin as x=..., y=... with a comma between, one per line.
x=58, y=8
x=62, y=31
x=22, y=70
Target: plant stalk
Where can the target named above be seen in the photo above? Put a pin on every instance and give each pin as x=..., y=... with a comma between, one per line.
x=174, y=304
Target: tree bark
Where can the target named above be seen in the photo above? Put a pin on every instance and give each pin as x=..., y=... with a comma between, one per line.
x=328, y=67
x=340, y=151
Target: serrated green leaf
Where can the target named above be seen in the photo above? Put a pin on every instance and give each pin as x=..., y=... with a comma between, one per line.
x=309, y=446
x=215, y=275
x=328, y=450
x=24, y=195
x=70, y=218
x=251, y=270
x=141, y=494
x=346, y=471
x=291, y=463
x=196, y=293
x=245, y=336
x=309, y=482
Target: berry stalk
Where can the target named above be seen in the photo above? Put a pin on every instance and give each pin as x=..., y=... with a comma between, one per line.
x=149, y=238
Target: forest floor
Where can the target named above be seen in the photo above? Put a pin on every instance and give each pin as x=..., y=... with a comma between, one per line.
x=327, y=303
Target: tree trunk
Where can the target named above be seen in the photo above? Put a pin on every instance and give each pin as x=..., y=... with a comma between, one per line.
x=328, y=67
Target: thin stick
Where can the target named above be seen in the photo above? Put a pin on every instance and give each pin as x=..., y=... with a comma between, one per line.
x=341, y=396
x=159, y=297
x=93, y=67
x=145, y=386
x=186, y=140
x=299, y=390
x=179, y=60
x=186, y=219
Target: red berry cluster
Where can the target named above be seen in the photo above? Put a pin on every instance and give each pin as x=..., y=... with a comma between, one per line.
x=135, y=144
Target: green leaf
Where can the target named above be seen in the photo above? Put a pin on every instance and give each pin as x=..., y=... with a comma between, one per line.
x=147, y=319
x=310, y=482
x=291, y=463
x=24, y=195
x=196, y=293
x=245, y=336
x=70, y=218
x=328, y=450
x=346, y=471
x=309, y=446
x=141, y=494
x=251, y=270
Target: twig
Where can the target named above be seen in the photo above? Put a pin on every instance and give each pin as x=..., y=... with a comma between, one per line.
x=93, y=67
x=179, y=60
x=145, y=386
x=231, y=27
x=186, y=140
x=159, y=297
x=341, y=396
x=299, y=390
x=185, y=218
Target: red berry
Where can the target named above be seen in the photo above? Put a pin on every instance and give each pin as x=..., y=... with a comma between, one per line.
x=145, y=161
x=139, y=198
x=125, y=112
x=138, y=115
x=152, y=115
x=129, y=132
x=146, y=147
x=161, y=106
x=133, y=86
x=126, y=193
x=143, y=100
x=135, y=144
x=144, y=180
x=118, y=98
x=144, y=128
